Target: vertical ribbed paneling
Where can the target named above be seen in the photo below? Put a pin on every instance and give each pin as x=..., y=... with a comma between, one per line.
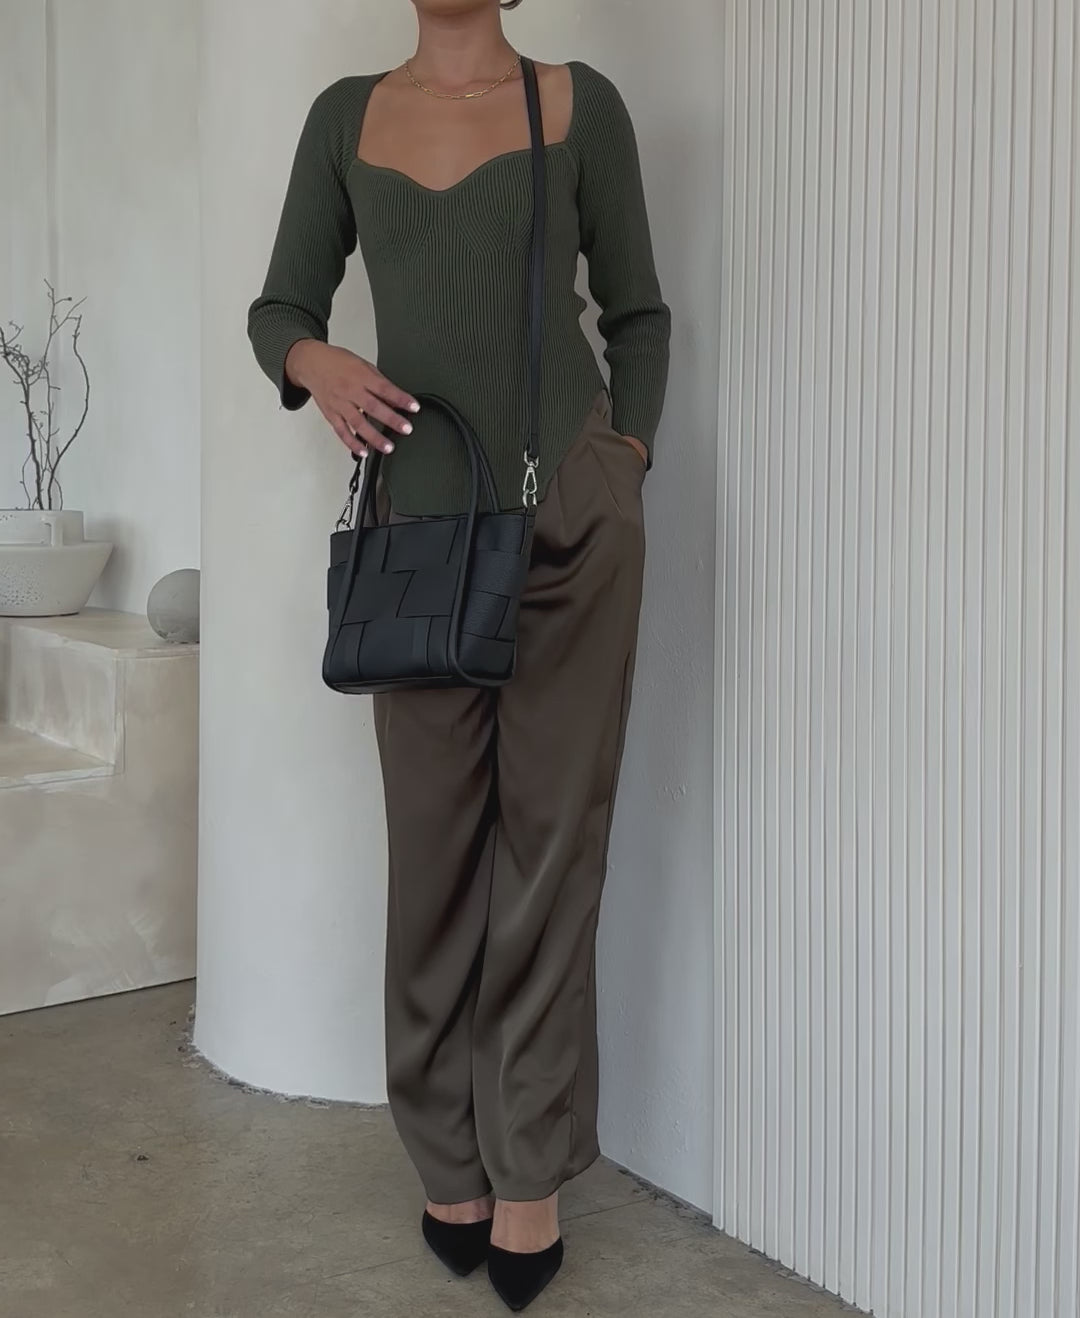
x=898, y=661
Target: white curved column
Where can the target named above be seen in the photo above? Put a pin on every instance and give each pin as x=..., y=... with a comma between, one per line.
x=292, y=852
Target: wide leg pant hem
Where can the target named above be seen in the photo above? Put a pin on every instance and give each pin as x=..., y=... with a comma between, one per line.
x=521, y=1192
x=460, y=1192
x=511, y=1192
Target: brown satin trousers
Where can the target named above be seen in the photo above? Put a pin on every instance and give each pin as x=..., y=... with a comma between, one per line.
x=499, y=808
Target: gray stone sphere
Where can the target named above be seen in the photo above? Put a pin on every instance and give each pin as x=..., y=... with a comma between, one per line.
x=173, y=607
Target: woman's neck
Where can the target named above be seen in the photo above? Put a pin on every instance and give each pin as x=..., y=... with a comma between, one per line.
x=455, y=51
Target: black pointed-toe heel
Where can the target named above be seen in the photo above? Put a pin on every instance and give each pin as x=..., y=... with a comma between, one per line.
x=519, y=1278
x=462, y=1246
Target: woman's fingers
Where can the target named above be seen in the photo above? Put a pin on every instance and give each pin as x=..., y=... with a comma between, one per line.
x=358, y=400
x=378, y=411
x=381, y=387
x=357, y=421
x=347, y=437
x=337, y=424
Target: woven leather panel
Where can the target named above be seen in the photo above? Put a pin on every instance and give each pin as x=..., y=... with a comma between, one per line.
x=396, y=623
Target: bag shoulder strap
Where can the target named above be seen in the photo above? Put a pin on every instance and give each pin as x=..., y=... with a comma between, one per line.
x=537, y=258
x=536, y=276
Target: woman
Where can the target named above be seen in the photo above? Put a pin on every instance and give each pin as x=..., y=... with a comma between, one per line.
x=498, y=803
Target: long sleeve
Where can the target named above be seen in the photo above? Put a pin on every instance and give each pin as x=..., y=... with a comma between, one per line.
x=634, y=319
x=315, y=237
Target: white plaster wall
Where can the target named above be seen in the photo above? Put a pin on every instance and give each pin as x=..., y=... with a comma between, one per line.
x=99, y=192
x=26, y=255
x=898, y=752
x=127, y=216
x=293, y=865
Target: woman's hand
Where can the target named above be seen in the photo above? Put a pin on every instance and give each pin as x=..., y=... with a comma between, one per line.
x=347, y=391
x=638, y=447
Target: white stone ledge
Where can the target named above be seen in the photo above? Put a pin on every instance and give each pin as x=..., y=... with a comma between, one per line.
x=122, y=633
x=30, y=761
x=98, y=812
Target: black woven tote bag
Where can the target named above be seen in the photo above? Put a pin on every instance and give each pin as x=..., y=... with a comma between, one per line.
x=434, y=602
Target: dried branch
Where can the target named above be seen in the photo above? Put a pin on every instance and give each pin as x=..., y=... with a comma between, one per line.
x=39, y=453
x=26, y=373
x=22, y=481
x=55, y=463
x=33, y=376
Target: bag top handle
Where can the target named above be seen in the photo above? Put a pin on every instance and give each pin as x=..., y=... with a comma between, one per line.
x=481, y=479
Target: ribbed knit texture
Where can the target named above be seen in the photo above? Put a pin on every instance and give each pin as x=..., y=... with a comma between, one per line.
x=449, y=284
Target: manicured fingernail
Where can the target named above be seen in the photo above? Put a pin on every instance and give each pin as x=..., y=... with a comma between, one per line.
x=406, y=429
x=389, y=447
x=414, y=407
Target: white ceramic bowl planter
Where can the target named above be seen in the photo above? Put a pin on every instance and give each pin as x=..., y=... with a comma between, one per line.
x=47, y=568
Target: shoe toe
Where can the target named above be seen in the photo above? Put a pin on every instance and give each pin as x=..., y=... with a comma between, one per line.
x=519, y=1278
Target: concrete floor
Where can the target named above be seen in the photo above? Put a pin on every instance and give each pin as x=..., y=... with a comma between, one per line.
x=134, y=1183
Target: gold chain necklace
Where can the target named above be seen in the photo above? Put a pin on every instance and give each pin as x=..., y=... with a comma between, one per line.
x=460, y=96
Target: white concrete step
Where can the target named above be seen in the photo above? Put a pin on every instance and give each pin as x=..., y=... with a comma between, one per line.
x=61, y=678
x=27, y=760
x=98, y=808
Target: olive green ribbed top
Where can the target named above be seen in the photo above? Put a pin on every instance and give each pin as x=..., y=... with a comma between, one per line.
x=449, y=280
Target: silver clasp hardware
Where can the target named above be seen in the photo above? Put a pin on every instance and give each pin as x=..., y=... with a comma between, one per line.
x=348, y=513
x=530, y=489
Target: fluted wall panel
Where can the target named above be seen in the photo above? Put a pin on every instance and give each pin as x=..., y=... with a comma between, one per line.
x=898, y=651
